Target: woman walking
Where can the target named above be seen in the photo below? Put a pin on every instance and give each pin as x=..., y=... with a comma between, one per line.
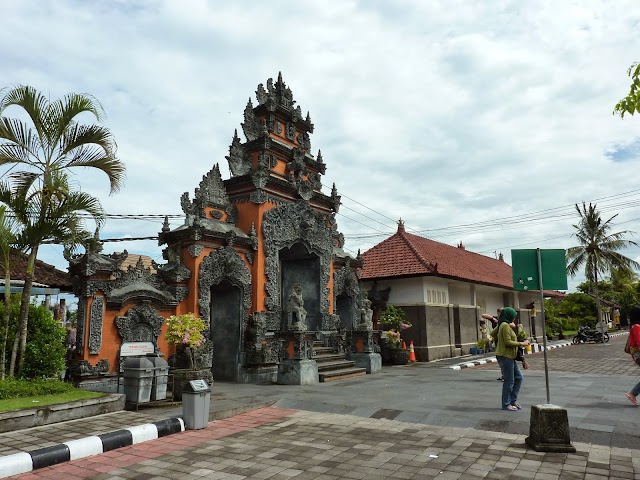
x=506, y=353
x=633, y=347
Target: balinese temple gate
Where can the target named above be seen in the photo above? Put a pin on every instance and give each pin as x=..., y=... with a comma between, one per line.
x=259, y=259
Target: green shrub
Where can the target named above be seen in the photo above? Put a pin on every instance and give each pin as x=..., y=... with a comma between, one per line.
x=16, y=388
x=570, y=324
x=45, y=351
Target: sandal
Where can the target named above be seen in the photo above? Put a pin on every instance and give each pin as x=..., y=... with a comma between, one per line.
x=511, y=408
x=632, y=399
x=517, y=405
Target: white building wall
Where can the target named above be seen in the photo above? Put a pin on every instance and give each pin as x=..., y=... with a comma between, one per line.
x=404, y=291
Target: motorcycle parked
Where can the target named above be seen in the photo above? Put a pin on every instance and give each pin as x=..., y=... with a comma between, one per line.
x=585, y=334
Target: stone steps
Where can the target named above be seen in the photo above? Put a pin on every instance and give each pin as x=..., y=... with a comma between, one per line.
x=333, y=365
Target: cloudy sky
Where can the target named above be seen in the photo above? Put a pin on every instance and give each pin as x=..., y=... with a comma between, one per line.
x=475, y=122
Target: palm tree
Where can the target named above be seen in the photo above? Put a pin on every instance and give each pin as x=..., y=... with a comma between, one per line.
x=598, y=249
x=7, y=241
x=49, y=146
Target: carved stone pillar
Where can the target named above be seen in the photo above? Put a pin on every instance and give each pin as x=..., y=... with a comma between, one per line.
x=297, y=366
x=365, y=349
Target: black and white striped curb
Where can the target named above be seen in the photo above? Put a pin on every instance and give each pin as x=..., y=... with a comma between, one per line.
x=535, y=348
x=25, y=462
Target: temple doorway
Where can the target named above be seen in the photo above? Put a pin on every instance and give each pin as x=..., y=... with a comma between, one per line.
x=226, y=321
x=298, y=265
x=344, y=308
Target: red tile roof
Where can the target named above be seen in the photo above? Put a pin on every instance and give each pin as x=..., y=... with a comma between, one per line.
x=43, y=272
x=407, y=255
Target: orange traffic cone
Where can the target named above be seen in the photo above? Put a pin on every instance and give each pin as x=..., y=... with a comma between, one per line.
x=412, y=353
x=404, y=345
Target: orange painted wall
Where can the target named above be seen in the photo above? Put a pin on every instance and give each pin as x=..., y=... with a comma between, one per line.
x=111, y=340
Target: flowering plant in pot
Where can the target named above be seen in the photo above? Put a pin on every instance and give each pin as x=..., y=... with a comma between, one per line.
x=395, y=319
x=185, y=332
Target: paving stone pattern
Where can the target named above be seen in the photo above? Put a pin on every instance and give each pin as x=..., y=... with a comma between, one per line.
x=274, y=443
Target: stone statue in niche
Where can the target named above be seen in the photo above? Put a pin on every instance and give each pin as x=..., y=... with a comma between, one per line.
x=295, y=309
x=366, y=316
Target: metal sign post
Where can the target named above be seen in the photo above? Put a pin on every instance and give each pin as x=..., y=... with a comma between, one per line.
x=544, y=326
x=530, y=268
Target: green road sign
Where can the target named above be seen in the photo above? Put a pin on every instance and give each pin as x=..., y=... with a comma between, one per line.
x=525, y=269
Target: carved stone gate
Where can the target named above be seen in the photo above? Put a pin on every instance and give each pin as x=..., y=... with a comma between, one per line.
x=245, y=243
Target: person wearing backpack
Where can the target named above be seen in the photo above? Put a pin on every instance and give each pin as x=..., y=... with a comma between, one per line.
x=633, y=348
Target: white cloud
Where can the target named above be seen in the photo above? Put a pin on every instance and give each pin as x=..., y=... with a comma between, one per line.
x=442, y=113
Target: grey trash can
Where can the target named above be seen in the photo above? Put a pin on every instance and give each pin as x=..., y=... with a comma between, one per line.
x=196, y=398
x=138, y=379
x=160, y=376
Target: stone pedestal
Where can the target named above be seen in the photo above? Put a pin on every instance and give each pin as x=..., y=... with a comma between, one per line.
x=297, y=372
x=549, y=429
x=296, y=365
x=364, y=349
x=372, y=362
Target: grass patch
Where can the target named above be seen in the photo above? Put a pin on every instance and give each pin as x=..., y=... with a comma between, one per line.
x=19, y=394
x=22, y=403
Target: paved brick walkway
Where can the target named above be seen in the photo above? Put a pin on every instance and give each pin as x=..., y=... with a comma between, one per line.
x=275, y=443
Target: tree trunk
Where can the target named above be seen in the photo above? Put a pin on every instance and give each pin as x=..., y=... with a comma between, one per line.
x=24, y=309
x=5, y=329
x=14, y=351
x=598, y=308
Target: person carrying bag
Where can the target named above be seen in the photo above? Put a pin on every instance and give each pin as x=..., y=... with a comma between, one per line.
x=633, y=348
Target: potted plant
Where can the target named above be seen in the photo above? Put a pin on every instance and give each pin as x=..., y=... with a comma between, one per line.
x=481, y=345
x=185, y=332
x=395, y=319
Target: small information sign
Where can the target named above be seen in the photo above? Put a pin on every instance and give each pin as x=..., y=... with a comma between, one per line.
x=198, y=385
x=129, y=349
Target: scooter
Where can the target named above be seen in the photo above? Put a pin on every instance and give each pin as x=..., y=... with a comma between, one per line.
x=585, y=334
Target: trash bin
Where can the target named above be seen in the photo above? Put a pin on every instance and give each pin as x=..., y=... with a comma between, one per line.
x=138, y=379
x=160, y=376
x=196, y=398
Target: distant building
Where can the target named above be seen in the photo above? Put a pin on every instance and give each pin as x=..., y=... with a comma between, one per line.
x=443, y=290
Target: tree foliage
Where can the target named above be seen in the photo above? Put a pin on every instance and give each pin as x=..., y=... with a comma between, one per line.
x=598, y=249
x=43, y=147
x=631, y=103
x=44, y=355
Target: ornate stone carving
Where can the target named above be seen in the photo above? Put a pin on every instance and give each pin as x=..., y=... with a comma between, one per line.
x=366, y=316
x=137, y=282
x=290, y=131
x=239, y=162
x=210, y=193
x=80, y=323
x=249, y=256
x=254, y=237
x=223, y=264
x=195, y=250
x=179, y=293
x=295, y=309
x=260, y=175
x=282, y=227
x=251, y=127
x=278, y=94
x=82, y=368
x=302, y=345
x=345, y=283
x=259, y=197
x=330, y=322
x=141, y=323
x=261, y=346
x=335, y=198
x=95, y=325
